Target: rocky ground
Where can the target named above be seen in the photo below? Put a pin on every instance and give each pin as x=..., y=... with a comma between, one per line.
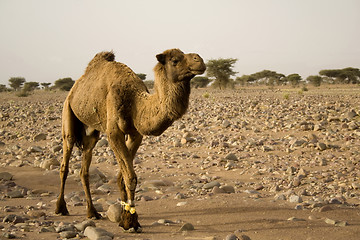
x=251, y=163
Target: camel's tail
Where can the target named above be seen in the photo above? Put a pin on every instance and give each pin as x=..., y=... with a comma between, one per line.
x=100, y=57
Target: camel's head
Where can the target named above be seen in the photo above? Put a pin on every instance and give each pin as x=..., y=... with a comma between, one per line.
x=179, y=66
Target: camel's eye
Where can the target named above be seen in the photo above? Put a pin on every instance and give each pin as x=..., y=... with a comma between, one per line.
x=175, y=62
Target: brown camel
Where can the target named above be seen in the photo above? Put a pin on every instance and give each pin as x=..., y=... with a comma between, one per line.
x=110, y=98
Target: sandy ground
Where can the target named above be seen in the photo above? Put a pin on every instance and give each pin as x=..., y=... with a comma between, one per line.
x=251, y=210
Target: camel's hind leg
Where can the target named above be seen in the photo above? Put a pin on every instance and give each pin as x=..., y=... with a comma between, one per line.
x=69, y=138
x=89, y=141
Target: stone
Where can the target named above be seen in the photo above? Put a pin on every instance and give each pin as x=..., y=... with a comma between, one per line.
x=341, y=224
x=296, y=182
x=82, y=226
x=187, y=227
x=231, y=237
x=231, y=157
x=9, y=235
x=217, y=190
x=12, y=218
x=68, y=234
x=212, y=184
x=15, y=194
x=244, y=237
x=228, y=189
x=40, y=137
x=326, y=208
x=330, y=221
x=179, y=196
x=226, y=124
x=94, y=233
x=102, y=143
x=57, y=148
x=180, y=204
x=46, y=164
x=114, y=212
x=279, y=197
x=165, y=222
x=295, y=199
x=65, y=227
x=36, y=214
x=355, y=185
x=351, y=114
x=6, y=176
x=321, y=146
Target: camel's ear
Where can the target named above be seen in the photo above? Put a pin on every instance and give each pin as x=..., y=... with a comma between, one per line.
x=161, y=58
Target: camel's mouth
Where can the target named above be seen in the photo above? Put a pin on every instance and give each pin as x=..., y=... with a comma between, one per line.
x=197, y=71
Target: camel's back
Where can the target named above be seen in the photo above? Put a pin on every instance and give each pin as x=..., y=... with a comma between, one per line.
x=88, y=96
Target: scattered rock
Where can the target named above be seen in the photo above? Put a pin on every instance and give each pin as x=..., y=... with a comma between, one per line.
x=212, y=184
x=68, y=234
x=6, y=176
x=187, y=227
x=82, y=226
x=94, y=233
x=40, y=137
x=114, y=212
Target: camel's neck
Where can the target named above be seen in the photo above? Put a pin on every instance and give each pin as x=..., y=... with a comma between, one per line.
x=168, y=103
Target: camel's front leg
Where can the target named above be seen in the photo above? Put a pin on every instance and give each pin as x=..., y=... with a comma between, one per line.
x=127, y=180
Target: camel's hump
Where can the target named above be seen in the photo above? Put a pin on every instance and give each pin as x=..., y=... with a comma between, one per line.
x=108, y=56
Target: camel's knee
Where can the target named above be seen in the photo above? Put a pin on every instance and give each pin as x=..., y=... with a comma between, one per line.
x=84, y=174
x=133, y=183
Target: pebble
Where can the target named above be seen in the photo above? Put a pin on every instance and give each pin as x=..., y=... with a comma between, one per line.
x=180, y=204
x=81, y=226
x=187, y=227
x=212, y=184
x=94, y=233
x=6, y=176
x=114, y=212
x=231, y=237
x=68, y=234
x=15, y=194
x=295, y=199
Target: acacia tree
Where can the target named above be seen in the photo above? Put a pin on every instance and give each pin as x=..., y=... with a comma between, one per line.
x=45, y=85
x=314, y=80
x=221, y=70
x=64, y=84
x=30, y=86
x=199, y=82
x=294, y=79
x=142, y=76
x=346, y=75
x=16, y=82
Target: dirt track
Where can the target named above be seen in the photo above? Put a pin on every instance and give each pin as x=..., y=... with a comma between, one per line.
x=265, y=163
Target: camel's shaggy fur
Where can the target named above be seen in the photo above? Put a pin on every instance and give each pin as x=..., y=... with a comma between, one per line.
x=110, y=98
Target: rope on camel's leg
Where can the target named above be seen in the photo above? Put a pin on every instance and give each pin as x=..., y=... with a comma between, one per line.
x=127, y=207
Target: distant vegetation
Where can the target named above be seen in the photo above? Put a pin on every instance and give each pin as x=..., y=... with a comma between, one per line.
x=23, y=88
x=219, y=74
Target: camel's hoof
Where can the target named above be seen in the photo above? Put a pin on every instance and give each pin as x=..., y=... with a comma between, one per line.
x=132, y=230
x=94, y=215
x=62, y=211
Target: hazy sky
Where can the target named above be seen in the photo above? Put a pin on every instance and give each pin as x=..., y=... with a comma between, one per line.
x=44, y=40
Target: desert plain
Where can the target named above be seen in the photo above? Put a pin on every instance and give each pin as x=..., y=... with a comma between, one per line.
x=249, y=163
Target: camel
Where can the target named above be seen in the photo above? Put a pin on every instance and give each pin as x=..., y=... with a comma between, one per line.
x=110, y=98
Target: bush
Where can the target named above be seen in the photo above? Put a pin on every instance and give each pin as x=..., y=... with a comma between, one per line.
x=200, y=82
x=64, y=84
x=23, y=93
x=3, y=88
x=149, y=84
